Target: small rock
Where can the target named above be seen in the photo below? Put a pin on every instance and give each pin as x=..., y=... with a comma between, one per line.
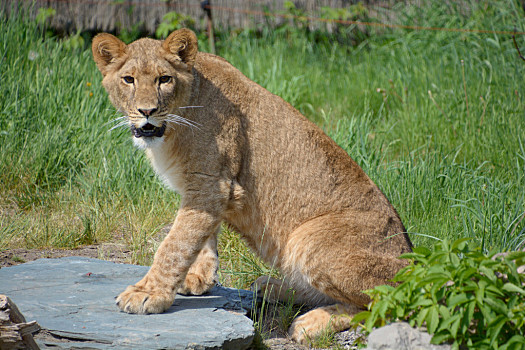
x=347, y=339
x=401, y=336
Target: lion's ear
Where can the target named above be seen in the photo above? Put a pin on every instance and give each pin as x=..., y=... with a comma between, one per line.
x=182, y=43
x=106, y=50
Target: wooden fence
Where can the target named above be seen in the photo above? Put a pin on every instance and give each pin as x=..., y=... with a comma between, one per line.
x=116, y=15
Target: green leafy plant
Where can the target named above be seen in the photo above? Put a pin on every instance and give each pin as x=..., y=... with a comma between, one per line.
x=172, y=21
x=350, y=34
x=74, y=42
x=461, y=295
x=44, y=14
x=351, y=13
x=132, y=33
x=296, y=13
x=43, y=19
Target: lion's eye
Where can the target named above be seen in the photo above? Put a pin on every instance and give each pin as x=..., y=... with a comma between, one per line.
x=164, y=79
x=128, y=79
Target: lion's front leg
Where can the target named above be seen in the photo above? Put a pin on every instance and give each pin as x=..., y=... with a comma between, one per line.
x=202, y=275
x=156, y=291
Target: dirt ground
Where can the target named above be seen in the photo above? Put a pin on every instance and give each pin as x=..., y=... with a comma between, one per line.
x=107, y=251
x=118, y=252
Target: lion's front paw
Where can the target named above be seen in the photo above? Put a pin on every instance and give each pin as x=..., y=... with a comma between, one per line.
x=137, y=300
x=196, y=284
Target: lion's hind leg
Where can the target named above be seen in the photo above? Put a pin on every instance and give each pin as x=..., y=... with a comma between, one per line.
x=275, y=290
x=333, y=318
x=340, y=255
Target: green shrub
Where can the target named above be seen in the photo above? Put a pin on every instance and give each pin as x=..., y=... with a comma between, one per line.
x=172, y=21
x=461, y=295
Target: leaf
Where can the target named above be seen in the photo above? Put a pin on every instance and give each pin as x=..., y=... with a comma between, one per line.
x=432, y=320
x=460, y=243
x=439, y=291
x=424, y=251
x=488, y=273
x=480, y=292
x=470, y=286
x=483, y=344
x=455, y=326
x=497, y=305
x=485, y=312
x=444, y=312
x=414, y=256
x=457, y=299
x=494, y=328
x=404, y=274
x=403, y=292
x=444, y=245
x=495, y=291
x=382, y=307
x=362, y=316
x=400, y=310
x=439, y=278
x=467, y=273
x=422, y=316
x=440, y=337
x=515, y=255
x=370, y=321
x=445, y=324
x=438, y=258
x=421, y=302
x=384, y=289
x=468, y=315
x=454, y=259
x=517, y=339
x=509, y=287
x=512, y=273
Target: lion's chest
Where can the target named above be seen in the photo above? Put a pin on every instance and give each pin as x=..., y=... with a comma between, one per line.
x=167, y=168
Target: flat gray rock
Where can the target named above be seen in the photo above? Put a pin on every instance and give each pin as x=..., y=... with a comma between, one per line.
x=73, y=301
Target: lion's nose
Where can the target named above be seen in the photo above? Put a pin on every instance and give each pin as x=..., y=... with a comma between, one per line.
x=147, y=111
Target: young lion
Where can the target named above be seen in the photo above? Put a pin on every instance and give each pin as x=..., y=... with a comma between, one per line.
x=239, y=154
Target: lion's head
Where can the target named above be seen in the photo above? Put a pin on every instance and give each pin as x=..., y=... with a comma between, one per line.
x=148, y=80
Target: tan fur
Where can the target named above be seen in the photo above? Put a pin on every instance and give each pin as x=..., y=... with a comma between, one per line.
x=255, y=162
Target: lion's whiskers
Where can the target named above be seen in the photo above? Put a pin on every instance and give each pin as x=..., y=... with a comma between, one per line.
x=115, y=120
x=121, y=124
x=171, y=120
x=190, y=107
x=177, y=119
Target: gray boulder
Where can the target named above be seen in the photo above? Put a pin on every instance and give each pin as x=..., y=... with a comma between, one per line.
x=73, y=301
x=400, y=336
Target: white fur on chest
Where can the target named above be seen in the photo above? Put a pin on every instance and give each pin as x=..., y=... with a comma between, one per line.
x=166, y=167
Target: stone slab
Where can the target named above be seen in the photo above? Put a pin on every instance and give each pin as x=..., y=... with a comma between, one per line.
x=73, y=301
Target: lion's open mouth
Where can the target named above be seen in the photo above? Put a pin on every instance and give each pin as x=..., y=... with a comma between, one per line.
x=148, y=130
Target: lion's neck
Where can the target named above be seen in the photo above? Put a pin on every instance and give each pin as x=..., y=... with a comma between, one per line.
x=165, y=164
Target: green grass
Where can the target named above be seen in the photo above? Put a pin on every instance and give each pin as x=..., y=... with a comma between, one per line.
x=398, y=104
x=66, y=180
x=451, y=171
